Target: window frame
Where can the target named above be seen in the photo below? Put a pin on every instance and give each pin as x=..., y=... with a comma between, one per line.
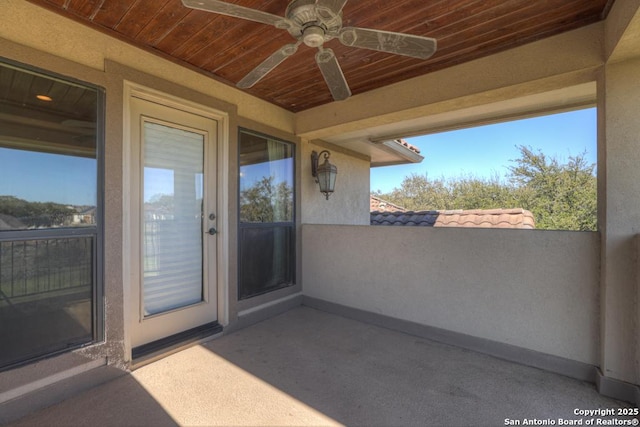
x=292, y=224
x=96, y=232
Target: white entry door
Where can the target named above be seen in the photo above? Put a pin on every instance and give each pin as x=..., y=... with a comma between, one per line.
x=173, y=201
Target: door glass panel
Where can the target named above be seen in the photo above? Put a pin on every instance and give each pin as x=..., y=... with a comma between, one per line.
x=172, y=223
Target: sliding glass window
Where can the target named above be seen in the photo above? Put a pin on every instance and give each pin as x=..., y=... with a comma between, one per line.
x=50, y=218
x=267, y=218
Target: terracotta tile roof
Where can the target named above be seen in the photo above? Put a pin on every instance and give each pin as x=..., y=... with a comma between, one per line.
x=407, y=145
x=376, y=204
x=479, y=218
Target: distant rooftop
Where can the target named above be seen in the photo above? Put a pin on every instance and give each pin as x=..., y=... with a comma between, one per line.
x=386, y=213
x=376, y=204
x=409, y=146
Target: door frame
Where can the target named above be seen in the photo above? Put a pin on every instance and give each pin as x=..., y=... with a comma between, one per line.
x=132, y=90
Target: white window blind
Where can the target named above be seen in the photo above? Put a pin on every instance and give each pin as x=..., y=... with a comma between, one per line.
x=173, y=196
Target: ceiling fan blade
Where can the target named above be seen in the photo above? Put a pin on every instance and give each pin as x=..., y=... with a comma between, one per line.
x=230, y=9
x=332, y=74
x=334, y=6
x=387, y=41
x=267, y=65
x=328, y=12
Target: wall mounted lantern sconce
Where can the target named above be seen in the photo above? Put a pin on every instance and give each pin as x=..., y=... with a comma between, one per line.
x=325, y=174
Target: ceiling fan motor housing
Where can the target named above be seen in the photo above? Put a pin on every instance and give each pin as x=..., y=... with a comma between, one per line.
x=313, y=25
x=313, y=36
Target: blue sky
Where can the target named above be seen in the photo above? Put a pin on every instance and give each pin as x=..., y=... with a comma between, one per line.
x=486, y=151
x=44, y=177
x=281, y=170
x=482, y=152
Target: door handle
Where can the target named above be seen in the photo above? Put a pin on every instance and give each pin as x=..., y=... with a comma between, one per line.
x=212, y=231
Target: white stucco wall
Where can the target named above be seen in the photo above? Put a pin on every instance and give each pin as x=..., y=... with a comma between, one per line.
x=619, y=209
x=533, y=289
x=349, y=204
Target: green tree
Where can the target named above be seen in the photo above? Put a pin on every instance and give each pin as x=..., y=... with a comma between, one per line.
x=417, y=192
x=560, y=196
x=35, y=214
x=160, y=204
x=476, y=193
x=265, y=201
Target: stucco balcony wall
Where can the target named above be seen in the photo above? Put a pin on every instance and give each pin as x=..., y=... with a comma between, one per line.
x=519, y=289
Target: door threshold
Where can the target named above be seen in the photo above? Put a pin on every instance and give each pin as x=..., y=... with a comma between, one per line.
x=155, y=350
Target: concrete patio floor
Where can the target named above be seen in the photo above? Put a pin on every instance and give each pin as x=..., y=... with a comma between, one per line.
x=309, y=368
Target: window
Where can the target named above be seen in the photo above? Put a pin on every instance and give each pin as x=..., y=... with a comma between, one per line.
x=49, y=214
x=267, y=220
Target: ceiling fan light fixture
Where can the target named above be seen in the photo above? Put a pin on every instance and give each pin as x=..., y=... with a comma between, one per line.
x=313, y=36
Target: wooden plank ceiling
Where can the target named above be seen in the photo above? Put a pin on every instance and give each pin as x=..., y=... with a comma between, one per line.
x=227, y=48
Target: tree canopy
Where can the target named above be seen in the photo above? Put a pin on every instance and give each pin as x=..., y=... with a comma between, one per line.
x=34, y=214
x=267, y=201
x=561, y=196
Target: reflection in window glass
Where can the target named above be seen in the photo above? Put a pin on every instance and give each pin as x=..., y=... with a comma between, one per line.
x=266, y=180
x=49, y=248
x=55, y=190
x=48, y=166
x=46, y=288
x=267, y=227
x=267, y=255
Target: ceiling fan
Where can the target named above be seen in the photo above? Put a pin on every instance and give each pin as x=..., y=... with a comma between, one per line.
x=314, y=22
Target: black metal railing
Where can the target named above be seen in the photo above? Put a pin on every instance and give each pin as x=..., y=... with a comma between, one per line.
x=29, y=268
